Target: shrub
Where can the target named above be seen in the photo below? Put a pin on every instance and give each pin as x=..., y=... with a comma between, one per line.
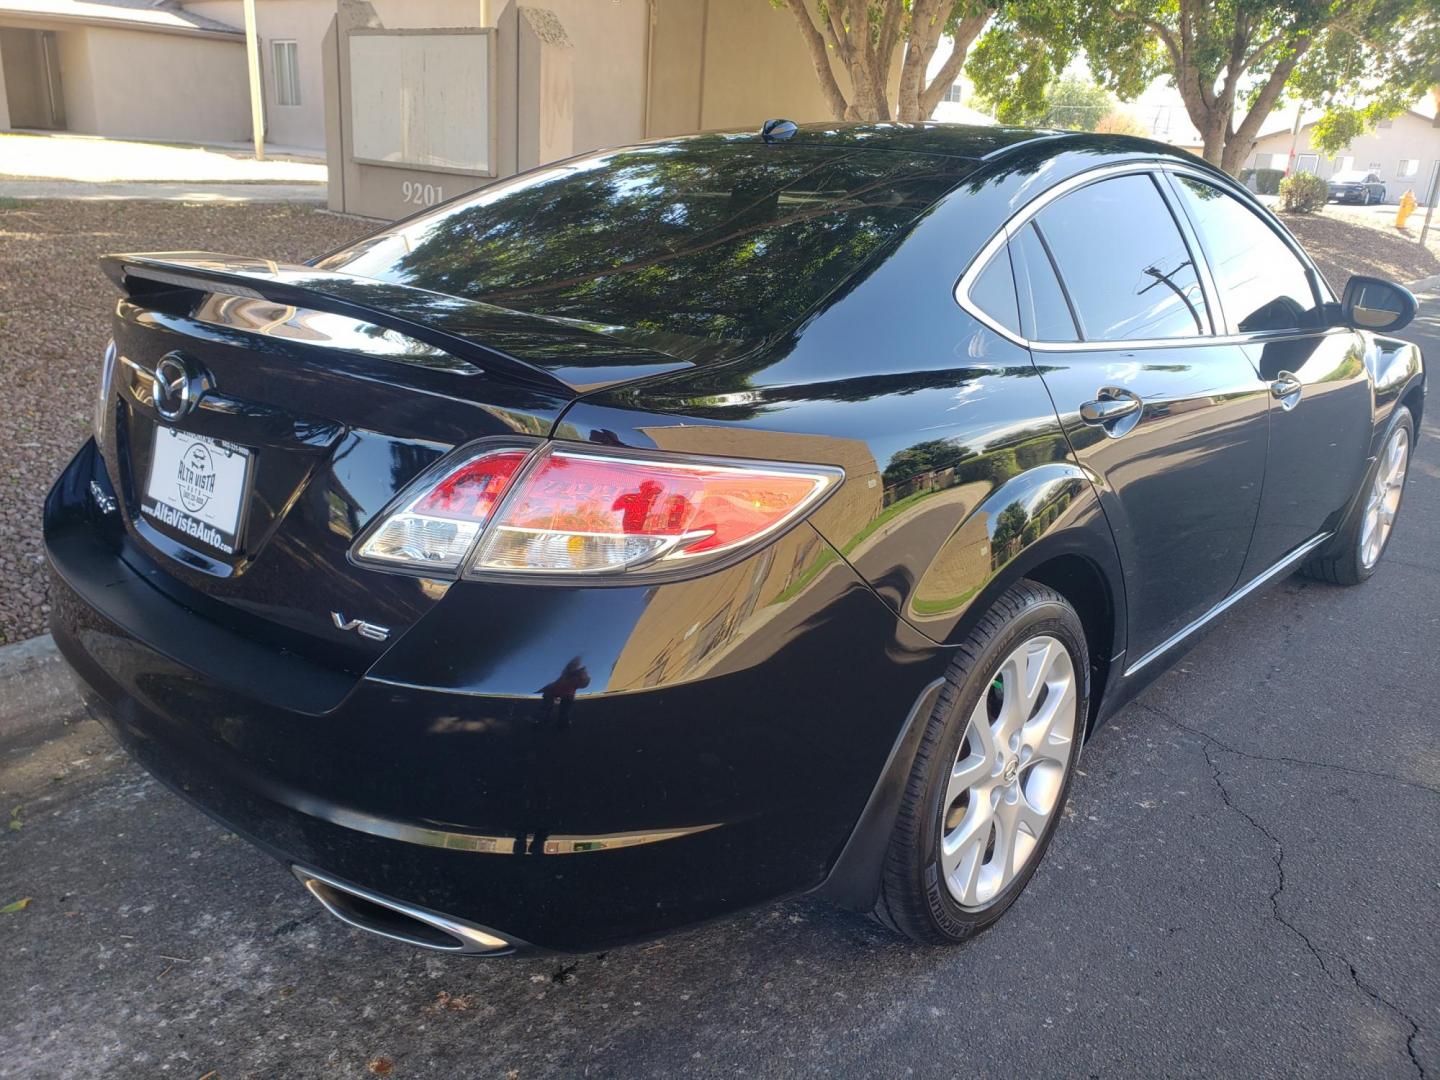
x=1303, y=193
x=1262, y=181
x=1121, y=123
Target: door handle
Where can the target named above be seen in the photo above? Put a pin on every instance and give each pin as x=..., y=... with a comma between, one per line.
x=1114, y=409
x=1286, y=389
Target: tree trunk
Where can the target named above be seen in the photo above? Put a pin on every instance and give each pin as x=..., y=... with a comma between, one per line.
x=965, y=35
x=843, y=28
x=1239, y=144
x=820, y=59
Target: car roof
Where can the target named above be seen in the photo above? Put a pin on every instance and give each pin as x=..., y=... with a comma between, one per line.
x=973, y=142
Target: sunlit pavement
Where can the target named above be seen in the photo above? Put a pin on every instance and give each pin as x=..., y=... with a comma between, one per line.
x=94, y=159
x=1247, y=884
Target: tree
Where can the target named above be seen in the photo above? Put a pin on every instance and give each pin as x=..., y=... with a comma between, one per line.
x=1120, y=123
x=1077, y=104
x=1072, y=102
x=869, y=36
x=1233, y=61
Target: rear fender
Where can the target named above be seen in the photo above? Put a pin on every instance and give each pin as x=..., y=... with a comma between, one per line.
x=1085, y=540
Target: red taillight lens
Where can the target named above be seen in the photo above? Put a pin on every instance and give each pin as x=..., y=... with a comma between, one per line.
x=434, y=531
x=563, y=510
x=583, y=512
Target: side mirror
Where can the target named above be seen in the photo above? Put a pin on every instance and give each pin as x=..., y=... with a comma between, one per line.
x=1374, y=304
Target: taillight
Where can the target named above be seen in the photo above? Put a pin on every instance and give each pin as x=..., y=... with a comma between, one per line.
x=435, y=529
x=572, y=510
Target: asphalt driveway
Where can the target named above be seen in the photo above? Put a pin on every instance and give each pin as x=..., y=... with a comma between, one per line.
x=1248, y=883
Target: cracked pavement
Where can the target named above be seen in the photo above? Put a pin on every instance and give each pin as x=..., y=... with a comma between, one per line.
x=1247, y=883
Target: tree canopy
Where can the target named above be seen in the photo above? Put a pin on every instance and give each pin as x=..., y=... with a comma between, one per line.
x=1233, y=61
x=1073, y=102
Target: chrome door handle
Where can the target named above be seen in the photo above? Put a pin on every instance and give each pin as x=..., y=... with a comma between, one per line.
x=1104, y=410
x=1114, y=410
x=1286, y=385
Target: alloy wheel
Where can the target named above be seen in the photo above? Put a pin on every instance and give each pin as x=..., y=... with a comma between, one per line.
x=1006, y=781
x=1383, y=502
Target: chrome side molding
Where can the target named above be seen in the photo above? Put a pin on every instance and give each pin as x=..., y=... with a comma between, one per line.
x=1287, y=563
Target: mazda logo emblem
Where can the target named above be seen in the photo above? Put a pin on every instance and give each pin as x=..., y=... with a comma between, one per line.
x=175, y=386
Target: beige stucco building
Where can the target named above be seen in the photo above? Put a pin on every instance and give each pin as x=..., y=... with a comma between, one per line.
x=121, y=67
x=176, y=68
x=1403, y=152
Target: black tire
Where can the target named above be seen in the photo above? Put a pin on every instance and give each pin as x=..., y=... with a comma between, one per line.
x=914, y=899
x=1340, y=561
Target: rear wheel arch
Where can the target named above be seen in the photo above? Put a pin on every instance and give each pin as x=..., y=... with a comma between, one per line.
x=1084, y=586
x=1082, y=565
x=1076, y=566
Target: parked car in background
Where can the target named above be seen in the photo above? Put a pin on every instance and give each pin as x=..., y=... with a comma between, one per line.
x=686, y=525
x=1357, y=187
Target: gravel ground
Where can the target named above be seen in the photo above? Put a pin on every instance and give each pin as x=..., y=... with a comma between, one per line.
x=1344, y=242
x=54, y=316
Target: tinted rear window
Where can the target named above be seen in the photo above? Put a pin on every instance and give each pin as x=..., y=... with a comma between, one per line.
x=705, y=238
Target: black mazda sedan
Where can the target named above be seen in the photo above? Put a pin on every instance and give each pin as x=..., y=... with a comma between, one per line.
x=686, y=525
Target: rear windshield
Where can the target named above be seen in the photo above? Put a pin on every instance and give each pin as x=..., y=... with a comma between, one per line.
x=705, y=237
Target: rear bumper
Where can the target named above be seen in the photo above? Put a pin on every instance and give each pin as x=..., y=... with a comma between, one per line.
x=559, y=818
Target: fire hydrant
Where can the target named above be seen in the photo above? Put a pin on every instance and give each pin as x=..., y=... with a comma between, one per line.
x=1407, y=207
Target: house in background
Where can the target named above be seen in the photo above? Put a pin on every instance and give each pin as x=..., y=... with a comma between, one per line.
x=648, y=68
x=121, y=67
x=1403, y=151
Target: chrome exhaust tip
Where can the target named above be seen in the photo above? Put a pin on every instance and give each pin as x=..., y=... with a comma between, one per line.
x=398, y=921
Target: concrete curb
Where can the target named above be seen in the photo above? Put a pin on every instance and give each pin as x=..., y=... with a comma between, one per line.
x=1425, y=285
x=38, y=696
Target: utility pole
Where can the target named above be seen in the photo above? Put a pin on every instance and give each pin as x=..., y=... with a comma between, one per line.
x=1434, y=173
x=257, y=99
x=1430, y=202
x=1294, y=139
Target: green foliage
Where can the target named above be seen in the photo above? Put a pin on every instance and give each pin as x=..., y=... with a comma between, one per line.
x=1078, y=104
x=1232, y=60
x=1021, y=56
x=1263, y=181
x=1303, y=193
x=1342, y=123
x=1071, y=103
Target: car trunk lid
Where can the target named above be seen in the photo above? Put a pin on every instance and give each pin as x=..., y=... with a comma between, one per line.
x=262, y=414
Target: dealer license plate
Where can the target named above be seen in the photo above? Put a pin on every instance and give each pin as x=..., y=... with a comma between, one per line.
x=198, y=486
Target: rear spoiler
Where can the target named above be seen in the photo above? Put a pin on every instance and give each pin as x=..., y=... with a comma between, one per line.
x=562, y=354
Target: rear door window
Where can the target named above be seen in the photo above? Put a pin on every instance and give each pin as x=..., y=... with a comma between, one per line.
x=1124, y=263
x=1263, y=285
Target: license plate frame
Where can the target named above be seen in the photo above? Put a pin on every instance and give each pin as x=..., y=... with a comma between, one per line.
x=199, y=487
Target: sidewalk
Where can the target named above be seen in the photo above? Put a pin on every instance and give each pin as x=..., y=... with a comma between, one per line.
x=194, y=192
x=94, y=160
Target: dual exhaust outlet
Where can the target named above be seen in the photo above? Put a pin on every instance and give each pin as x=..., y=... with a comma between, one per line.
x=399, y=921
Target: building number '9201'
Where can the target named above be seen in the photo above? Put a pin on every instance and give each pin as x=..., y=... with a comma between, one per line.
x=418, y=194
